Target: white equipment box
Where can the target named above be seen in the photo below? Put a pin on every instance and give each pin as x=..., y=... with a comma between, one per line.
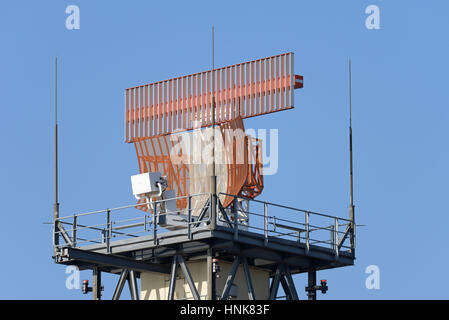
x=145, y=183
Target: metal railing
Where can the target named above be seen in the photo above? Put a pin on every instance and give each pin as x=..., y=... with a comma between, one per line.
x=103, y=226
x=280, y=221
x=271, y=220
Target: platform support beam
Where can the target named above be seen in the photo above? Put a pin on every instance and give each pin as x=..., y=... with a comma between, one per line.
x=230, y=278
x=120, y=284
x=211, y=276
x=132, y=282
x=290, y=283
x=284, y=284
x=188, y=277
x=283, y=276
x=96, y=283
x=311, y=290
x=172, y=286
x=249, y=283
x=275, y=284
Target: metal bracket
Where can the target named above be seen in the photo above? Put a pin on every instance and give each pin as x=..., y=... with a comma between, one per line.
x=343, y=238
x=224, y=214
x=203, y=213
x=284, y=277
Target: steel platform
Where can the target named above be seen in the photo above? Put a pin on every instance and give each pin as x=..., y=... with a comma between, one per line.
x=272, y=242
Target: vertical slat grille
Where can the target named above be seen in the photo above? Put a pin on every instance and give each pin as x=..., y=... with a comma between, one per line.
x=247, y=89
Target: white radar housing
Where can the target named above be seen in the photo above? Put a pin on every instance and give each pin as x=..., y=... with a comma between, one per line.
x=145, y=183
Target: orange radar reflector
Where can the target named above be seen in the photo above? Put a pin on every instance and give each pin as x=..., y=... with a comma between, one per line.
x=183, y=159
x=246, y=89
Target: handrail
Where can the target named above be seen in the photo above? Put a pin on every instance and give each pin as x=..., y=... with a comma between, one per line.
x=131, y=206
x=305, y=232
x=283, y=206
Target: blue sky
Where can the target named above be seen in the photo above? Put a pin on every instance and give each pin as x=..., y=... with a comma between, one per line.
x=400, y=123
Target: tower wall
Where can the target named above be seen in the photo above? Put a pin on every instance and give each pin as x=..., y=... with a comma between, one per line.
x=154, y=286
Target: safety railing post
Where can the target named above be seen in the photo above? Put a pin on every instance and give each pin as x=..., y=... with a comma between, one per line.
x=307, y=231
x=189, y=218
x=332, y=234
x=155, y=213
x=55, y=236
x=213, y=211
x=109, y=231
x=353, y=237
x=235, y=215
x=336, y=236
x=265, y=223
x=211, y=206
x=74, y=227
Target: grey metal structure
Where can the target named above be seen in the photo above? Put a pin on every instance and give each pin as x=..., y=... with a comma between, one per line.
x=283, y=240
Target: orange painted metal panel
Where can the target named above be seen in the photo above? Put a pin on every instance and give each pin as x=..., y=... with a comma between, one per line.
x=243, y=178
x=247, y=89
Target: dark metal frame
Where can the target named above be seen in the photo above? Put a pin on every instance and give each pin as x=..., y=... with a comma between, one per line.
x=131, y=277
x=281, y=257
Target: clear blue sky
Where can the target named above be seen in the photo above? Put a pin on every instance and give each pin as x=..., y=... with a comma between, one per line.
x=400, y=123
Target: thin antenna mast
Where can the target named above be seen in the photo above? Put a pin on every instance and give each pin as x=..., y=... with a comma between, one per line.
x=56, y=203
x=214, y=178
x=211, y=288
x=351, y=200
